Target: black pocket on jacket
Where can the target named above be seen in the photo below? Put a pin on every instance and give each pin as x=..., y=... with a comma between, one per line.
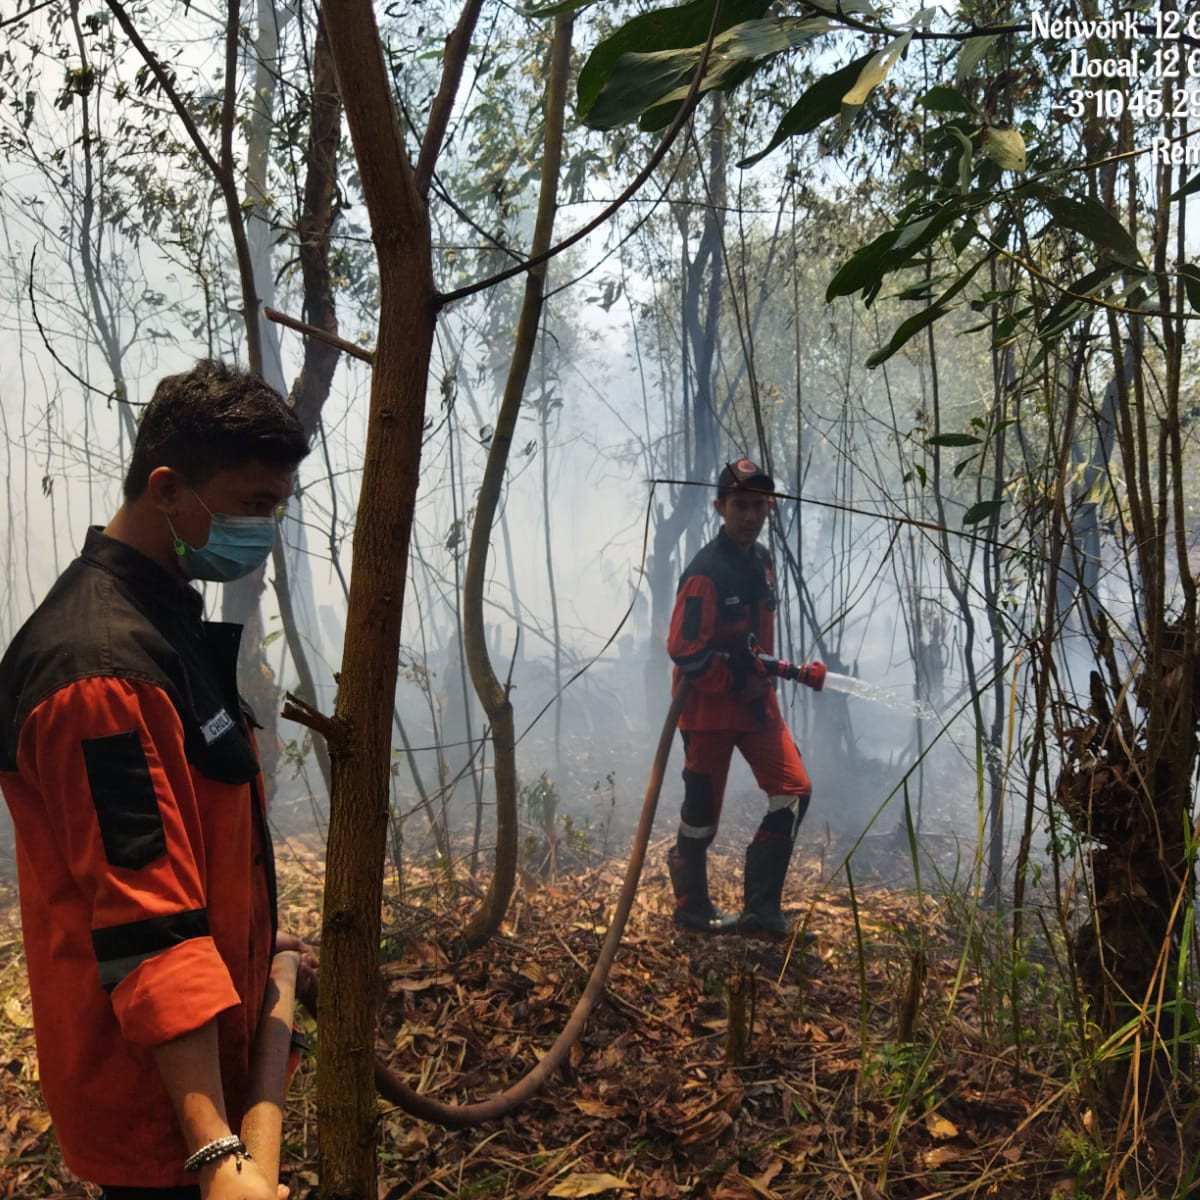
x=123, y=792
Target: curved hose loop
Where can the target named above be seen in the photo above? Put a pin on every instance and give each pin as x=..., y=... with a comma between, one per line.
x=462, y=1116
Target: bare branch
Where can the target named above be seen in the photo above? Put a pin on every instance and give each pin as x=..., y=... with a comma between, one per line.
x=332, y=729
x=322, y=335
x=457, y=45
x=27, y=13
x=673, y=131
x=168, y=87
x=221, y=171
x=115, y=394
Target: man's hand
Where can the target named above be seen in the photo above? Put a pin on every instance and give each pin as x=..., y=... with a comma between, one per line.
x=307, y=977
x=223, y=1181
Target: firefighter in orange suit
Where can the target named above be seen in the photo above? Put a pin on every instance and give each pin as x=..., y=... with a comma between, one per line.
x=128, y=761
x=726, y=598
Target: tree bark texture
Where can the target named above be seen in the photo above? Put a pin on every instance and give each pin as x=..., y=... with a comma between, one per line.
x=361, y=744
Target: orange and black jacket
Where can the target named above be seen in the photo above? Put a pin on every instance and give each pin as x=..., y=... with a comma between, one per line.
x=725, y=595
x=145, y=867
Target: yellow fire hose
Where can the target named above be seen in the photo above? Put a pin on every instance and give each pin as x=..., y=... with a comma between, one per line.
x=459, y=1116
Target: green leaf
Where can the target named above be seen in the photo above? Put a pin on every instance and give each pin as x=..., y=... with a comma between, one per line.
x=736, y=55
x=1090, y=218
x=822, y=101
x=964, y=235
x=870, y=77
x=875, y=72
x=661, y=29
x=945, y=99
x=1190, y=274
x=968, y=57
x=863, y=267
x=907, y=330
x=915, y=231
x=981, y=511
x=919, y=321
x=917, y=180
x=953, y=439
x=1005, y=147
x=921, y=290
x=273, y=636
x=891, y=250
x=1073, y=303
x=1062, y=314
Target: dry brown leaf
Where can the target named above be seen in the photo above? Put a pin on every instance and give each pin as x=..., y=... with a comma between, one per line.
x=36, y=1121
x=589, y=1183
x=15, y=1013
x=707, y=1129
x=661, y=1188
x=736, y=1187
x=730, y=1093
x=597, y=1108
x=768, y=1173
x=940, y=1128
x=939, y=1156
x=534, y=972
x=413, y=1141
x=406, y=983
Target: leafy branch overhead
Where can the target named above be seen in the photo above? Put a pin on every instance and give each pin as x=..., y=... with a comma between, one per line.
x=990, y=163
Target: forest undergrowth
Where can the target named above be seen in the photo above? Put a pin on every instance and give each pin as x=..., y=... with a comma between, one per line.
x=887, y=1061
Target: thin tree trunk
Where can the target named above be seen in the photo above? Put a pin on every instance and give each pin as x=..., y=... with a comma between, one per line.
x=361, y=732
x=311, y=388
x=457, y=482
x=544, y=414
x=492, y=693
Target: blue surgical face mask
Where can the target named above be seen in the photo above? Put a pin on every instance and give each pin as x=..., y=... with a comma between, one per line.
x=236, y=547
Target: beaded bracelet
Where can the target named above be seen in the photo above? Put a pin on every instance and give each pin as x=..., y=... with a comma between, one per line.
x=217, y=1150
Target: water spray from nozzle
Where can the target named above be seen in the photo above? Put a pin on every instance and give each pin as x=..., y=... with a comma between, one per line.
x=817, y=676
x=863, y=690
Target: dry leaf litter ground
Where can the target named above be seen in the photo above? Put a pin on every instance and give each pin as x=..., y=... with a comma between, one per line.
x=835, y=1098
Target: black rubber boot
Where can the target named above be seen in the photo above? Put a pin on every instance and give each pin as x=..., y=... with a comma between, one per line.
x=693, y=908
x=766, y=868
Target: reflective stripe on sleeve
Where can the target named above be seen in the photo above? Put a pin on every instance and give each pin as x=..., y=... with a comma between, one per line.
x=694, y=664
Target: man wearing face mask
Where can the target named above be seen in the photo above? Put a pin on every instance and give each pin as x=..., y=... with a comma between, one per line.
x=128, y=761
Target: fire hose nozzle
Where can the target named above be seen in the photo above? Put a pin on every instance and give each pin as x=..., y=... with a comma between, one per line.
x=810, y=674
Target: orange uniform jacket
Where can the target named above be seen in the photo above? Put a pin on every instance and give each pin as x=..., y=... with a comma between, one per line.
x=724, y=596
x=144, y=860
